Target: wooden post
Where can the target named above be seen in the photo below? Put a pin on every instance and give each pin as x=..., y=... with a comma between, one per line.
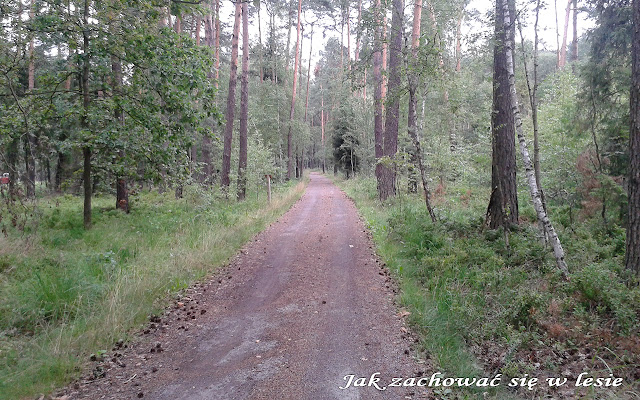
x=268, y=187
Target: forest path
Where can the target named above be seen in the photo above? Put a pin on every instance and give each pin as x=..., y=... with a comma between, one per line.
x=303, y=305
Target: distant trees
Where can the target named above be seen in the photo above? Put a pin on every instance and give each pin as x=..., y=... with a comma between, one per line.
x=114, y=89
x=106, y=97
x=346, y=144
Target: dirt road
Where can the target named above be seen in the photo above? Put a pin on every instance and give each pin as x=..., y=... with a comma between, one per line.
x=303, y=306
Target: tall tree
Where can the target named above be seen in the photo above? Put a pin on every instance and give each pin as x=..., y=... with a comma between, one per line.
x=210, y=40
x=122, y=192
x=231, y=99
x=30, y=138
x=459, y=39
x=562, y=57
x=632, y=259
x=324, y=151
x=86, y=149
x=261, y=52
x=387, y=181
x=532, y=87
x=412, y=123
x=293, y=98
x=503, y=204
x=378, y=84
x=244, y=105
x=306, y=102
x=217, y=36
x=558, y=251
x=287, y=51
x=573, y=53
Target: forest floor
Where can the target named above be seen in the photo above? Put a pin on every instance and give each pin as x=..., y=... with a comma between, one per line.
x=302, y=307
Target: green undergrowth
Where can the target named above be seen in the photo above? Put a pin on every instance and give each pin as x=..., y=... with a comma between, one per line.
x=479, y=307
x=66, y=293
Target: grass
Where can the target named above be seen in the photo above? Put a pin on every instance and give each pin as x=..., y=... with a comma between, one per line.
x=481, y=309
x=66, y=293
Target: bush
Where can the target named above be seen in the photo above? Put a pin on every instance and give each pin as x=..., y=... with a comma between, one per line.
x=601, y=290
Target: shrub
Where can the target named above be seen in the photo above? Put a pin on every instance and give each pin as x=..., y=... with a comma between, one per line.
x=601, y=290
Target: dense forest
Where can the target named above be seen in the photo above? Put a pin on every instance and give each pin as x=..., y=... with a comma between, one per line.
x=498, y=172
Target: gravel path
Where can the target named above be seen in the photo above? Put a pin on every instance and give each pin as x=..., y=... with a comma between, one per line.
x=301, y=307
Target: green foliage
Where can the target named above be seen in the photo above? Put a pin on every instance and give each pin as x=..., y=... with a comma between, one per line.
x=165, y=98
x=607, y=79
x=345, y=139
x=66, y=292
x=467, y=291
x=602, y=291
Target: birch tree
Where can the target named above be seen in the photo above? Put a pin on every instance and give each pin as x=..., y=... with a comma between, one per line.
x=558, y=251
x=412, y=122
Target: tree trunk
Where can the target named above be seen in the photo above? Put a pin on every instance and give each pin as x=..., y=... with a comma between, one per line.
x=348, y=37
x=342, y=41
x=217, y=35
x=57, y=185
x=197, y=33
x=274, y=58
x=356, y=55
x=385, y=48
x=122, y=193
x=632, y=258
x=178, y=26
x=306, y=103
x=555, y=8
x=562, y=60
x=300, y=52
x=533, y=94
x=86, y=150
x=573, y=54
x=364, y=86
x=324, y=153
x=387, y=183
x=558, y=251
x=378, y=90
x=30, y=139
x=207, y=167
x=210, y=40
x=261, y=69
x=412, y=122
x=459, y=41
x=503, y=204
x=231, y=99
x=293, y=99
x=244, y=106
x=286, y=54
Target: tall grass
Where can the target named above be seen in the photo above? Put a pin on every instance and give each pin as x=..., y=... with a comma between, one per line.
x=466, y=290
x=66, y=292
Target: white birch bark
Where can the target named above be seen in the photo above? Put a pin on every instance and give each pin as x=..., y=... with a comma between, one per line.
x=558, y=251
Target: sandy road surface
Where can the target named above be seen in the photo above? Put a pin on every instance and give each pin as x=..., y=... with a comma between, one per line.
x=303, y=305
